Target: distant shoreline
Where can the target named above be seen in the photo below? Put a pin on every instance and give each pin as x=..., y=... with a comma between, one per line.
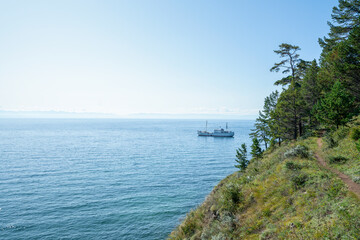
x=83, y=115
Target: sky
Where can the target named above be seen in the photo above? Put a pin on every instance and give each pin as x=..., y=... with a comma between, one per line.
x=146, y=57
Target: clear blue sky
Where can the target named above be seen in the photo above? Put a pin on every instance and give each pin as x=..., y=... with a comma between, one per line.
x=157, y=56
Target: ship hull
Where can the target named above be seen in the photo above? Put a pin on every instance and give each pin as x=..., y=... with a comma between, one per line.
x=209, y=134
x=204, y=134
x=223, y=134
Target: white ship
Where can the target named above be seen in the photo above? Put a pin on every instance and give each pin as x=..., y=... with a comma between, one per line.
x=217, y=132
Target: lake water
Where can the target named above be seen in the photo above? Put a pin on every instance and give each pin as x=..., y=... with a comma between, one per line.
x=107, y=178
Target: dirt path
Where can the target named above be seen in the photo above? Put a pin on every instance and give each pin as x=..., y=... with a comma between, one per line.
x=353, y=187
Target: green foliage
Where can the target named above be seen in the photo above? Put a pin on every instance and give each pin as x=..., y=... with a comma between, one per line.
x=241, y=158
x=287, y=118
x=355, y=133
x=345, y=17
x=262, y=129
x=347, y=64
x=310, y=92
x=297, y=151
x=288, y=64
x=337, y=159
x=190, y=224
x=231, y=196
x=316, y=96
x=335, y=189
x=266, y=212
x=268, y=234
x=256, y=151
x=341, y=133
x=332, y=138
x=287, y=115
x=336, y=108
x=347, y=148
x=299, y=180
x=329, y=139
x=358, y=145
x=292, y=166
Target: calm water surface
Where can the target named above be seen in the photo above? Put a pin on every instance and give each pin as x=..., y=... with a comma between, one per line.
x=107, y=179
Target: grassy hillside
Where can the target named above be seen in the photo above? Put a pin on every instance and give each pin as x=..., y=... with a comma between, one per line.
x=284, y=195
x=342, y=150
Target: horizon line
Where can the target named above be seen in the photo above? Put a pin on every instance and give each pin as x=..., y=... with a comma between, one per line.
x=65, y=114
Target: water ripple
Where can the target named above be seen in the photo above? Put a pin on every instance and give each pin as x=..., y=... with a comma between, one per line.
x=106, y=179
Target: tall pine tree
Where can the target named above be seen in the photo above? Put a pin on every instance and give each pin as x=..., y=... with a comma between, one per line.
x=262, y=129
x=289, y=111
x=344, y=17
x=288, y=114
x=289, y=63
x=310, y=92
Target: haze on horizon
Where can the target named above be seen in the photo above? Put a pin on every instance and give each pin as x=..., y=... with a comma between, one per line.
x=163, y=57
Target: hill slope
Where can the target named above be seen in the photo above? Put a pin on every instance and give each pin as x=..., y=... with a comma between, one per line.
x=284, y=195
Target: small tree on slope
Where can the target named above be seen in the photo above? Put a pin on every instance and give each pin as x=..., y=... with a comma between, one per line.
x=256, y=151
x=241, y=157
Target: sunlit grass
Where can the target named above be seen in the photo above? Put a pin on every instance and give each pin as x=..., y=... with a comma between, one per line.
x=278, y=198
x=346, y=148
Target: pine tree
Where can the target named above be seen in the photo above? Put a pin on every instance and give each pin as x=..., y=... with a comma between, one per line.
x=288, y=114
x=262, y=129
x=256, y=151
x=310, y=91
x=241, y=158
x=288, y=64
x=345, y=17
x=337, y=51
x=336, y=108
x=348, y=63
x=289, y=110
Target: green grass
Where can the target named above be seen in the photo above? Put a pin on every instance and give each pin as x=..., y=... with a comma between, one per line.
x=277, y=198
x=346, y=148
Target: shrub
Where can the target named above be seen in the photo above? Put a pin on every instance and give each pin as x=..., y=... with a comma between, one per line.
x=268, y=234
x=355, y=133
x=292, y=166
x=231, y=196
x=210, y=231
x=297, y=151
x=228, y=221
x=219, y=236
x=330, y=141
x=356, y=179
x=309, y=133
x=299, y=180
x=337, y=159
x=266, y=212
x=358, y=145
x=341, y=133
x=189, y=226
x=334, y=189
